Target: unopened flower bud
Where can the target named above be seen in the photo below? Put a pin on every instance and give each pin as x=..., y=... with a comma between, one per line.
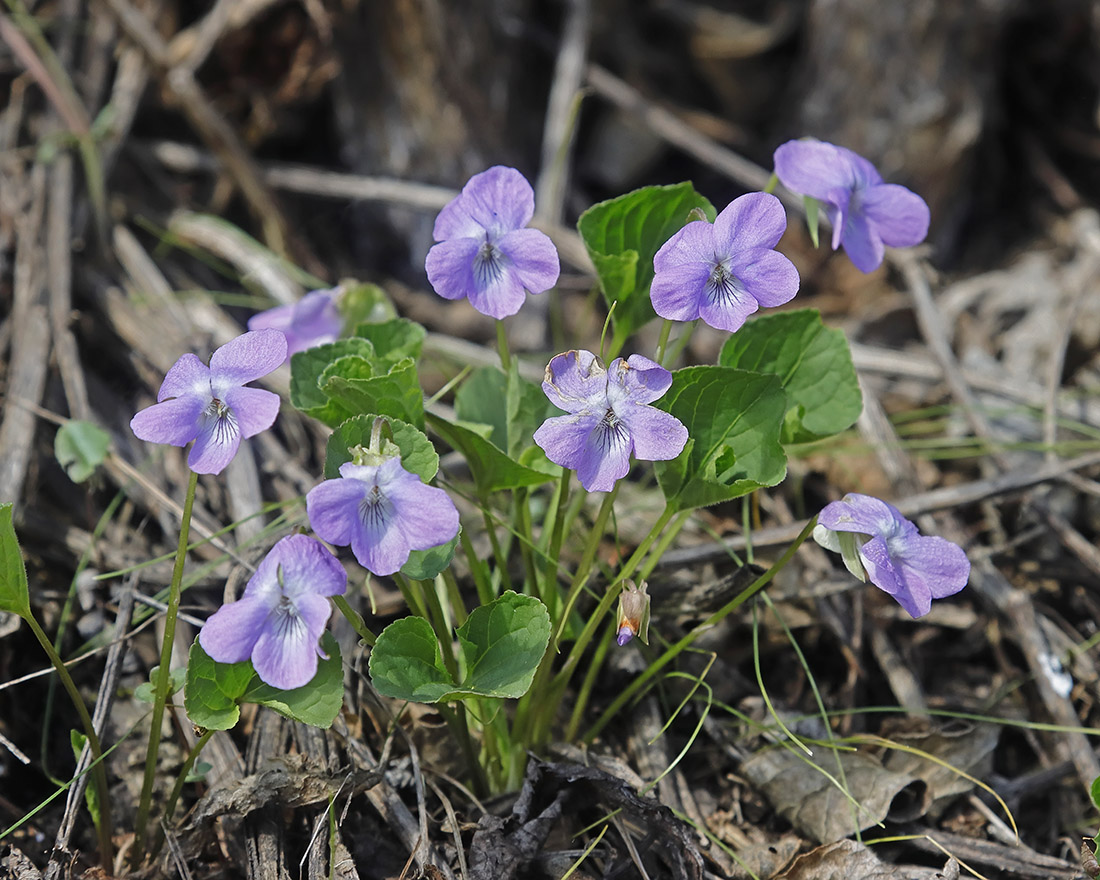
x=633, y=614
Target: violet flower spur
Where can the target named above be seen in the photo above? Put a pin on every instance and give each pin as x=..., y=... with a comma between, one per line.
x=484, y=252
x=866, y=214
x=724, y=271
x=313, y=320
x=381, y=510
x=211, y=405
x=279, y=620
x=877, y=542
x=609, y=417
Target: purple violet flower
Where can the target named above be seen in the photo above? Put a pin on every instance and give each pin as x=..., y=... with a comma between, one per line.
x=279, y=619
x=877, y=542
x=313, y=320
x=383, y=511
x=484, y=252
x=211, y=405
x=866, y=213
x=723, y=272
x=609, y=417
x=633, y=614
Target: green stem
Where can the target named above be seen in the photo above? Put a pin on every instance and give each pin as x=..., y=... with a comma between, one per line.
x=163, y=681
x=442, y=631
x=662, y=342
x=477, y=569
x=355, y=619
x=671, y=653
x=585, y=691
x=181, y=779
x=527, y=544
x=456, y=721
x=411, y=599
x=498, y=553
x=454, y=596
x=502, y=347
x=99, y=770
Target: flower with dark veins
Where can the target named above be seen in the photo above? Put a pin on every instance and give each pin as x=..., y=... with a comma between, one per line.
x=211, y=405
x=877, y=542
x=383, y=511
x=484, y=252
x=724, y=271
x=313, y=320
x=279, y=620
x=609, y=417
x=866, y=214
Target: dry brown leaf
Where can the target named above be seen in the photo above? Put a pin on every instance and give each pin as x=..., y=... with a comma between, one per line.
x=962, y=745
x=803, y=795
x=848, y=860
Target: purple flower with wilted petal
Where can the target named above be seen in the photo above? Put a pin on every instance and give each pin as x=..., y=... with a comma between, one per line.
x=484, y=253
x=210, y=405
x=313, y=320
x=610, y=417
x=279, y=619
x=724, y=271
x=383, y=511
x=877, y=542
x=866, y=213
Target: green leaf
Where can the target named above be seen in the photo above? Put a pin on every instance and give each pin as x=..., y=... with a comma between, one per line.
x=502, y=644
x=733, y=418
x=146, y=691
x=80, y=448
x=814, y=364
x=813, y=207
x=364, y=303
x=405, y=663
x=396, y=394
x=307, y=367
x=394, y=340
x=1094, y=791
x=623, y=234
x=317, y=703
x=14, y=593
x=423, y=565
x=418, y=455
x=213, y=691
x=491, y=469
x=510, y=404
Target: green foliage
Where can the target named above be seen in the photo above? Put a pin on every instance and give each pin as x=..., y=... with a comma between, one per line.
x=623, y=234
x=492, y=470
x=501, y=645
x=733, y=419
x=511, y=405
x=307, y=367
x=814, y=364
x=14, y=593
x=147, y=690
x=215, y=691
x=423, y=565
x=364, y=303
x=395, y=393
x=80, y=448
x=418, y=455
x=394, y=340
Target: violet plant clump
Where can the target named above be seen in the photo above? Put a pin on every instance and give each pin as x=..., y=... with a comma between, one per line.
x=212, y=405
x=876, y=542
x=278, y=621
x=724, y=271
x=715, y=432
x=866, y=214
x=609, y=418
x=485, y=253
x=314, y=320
